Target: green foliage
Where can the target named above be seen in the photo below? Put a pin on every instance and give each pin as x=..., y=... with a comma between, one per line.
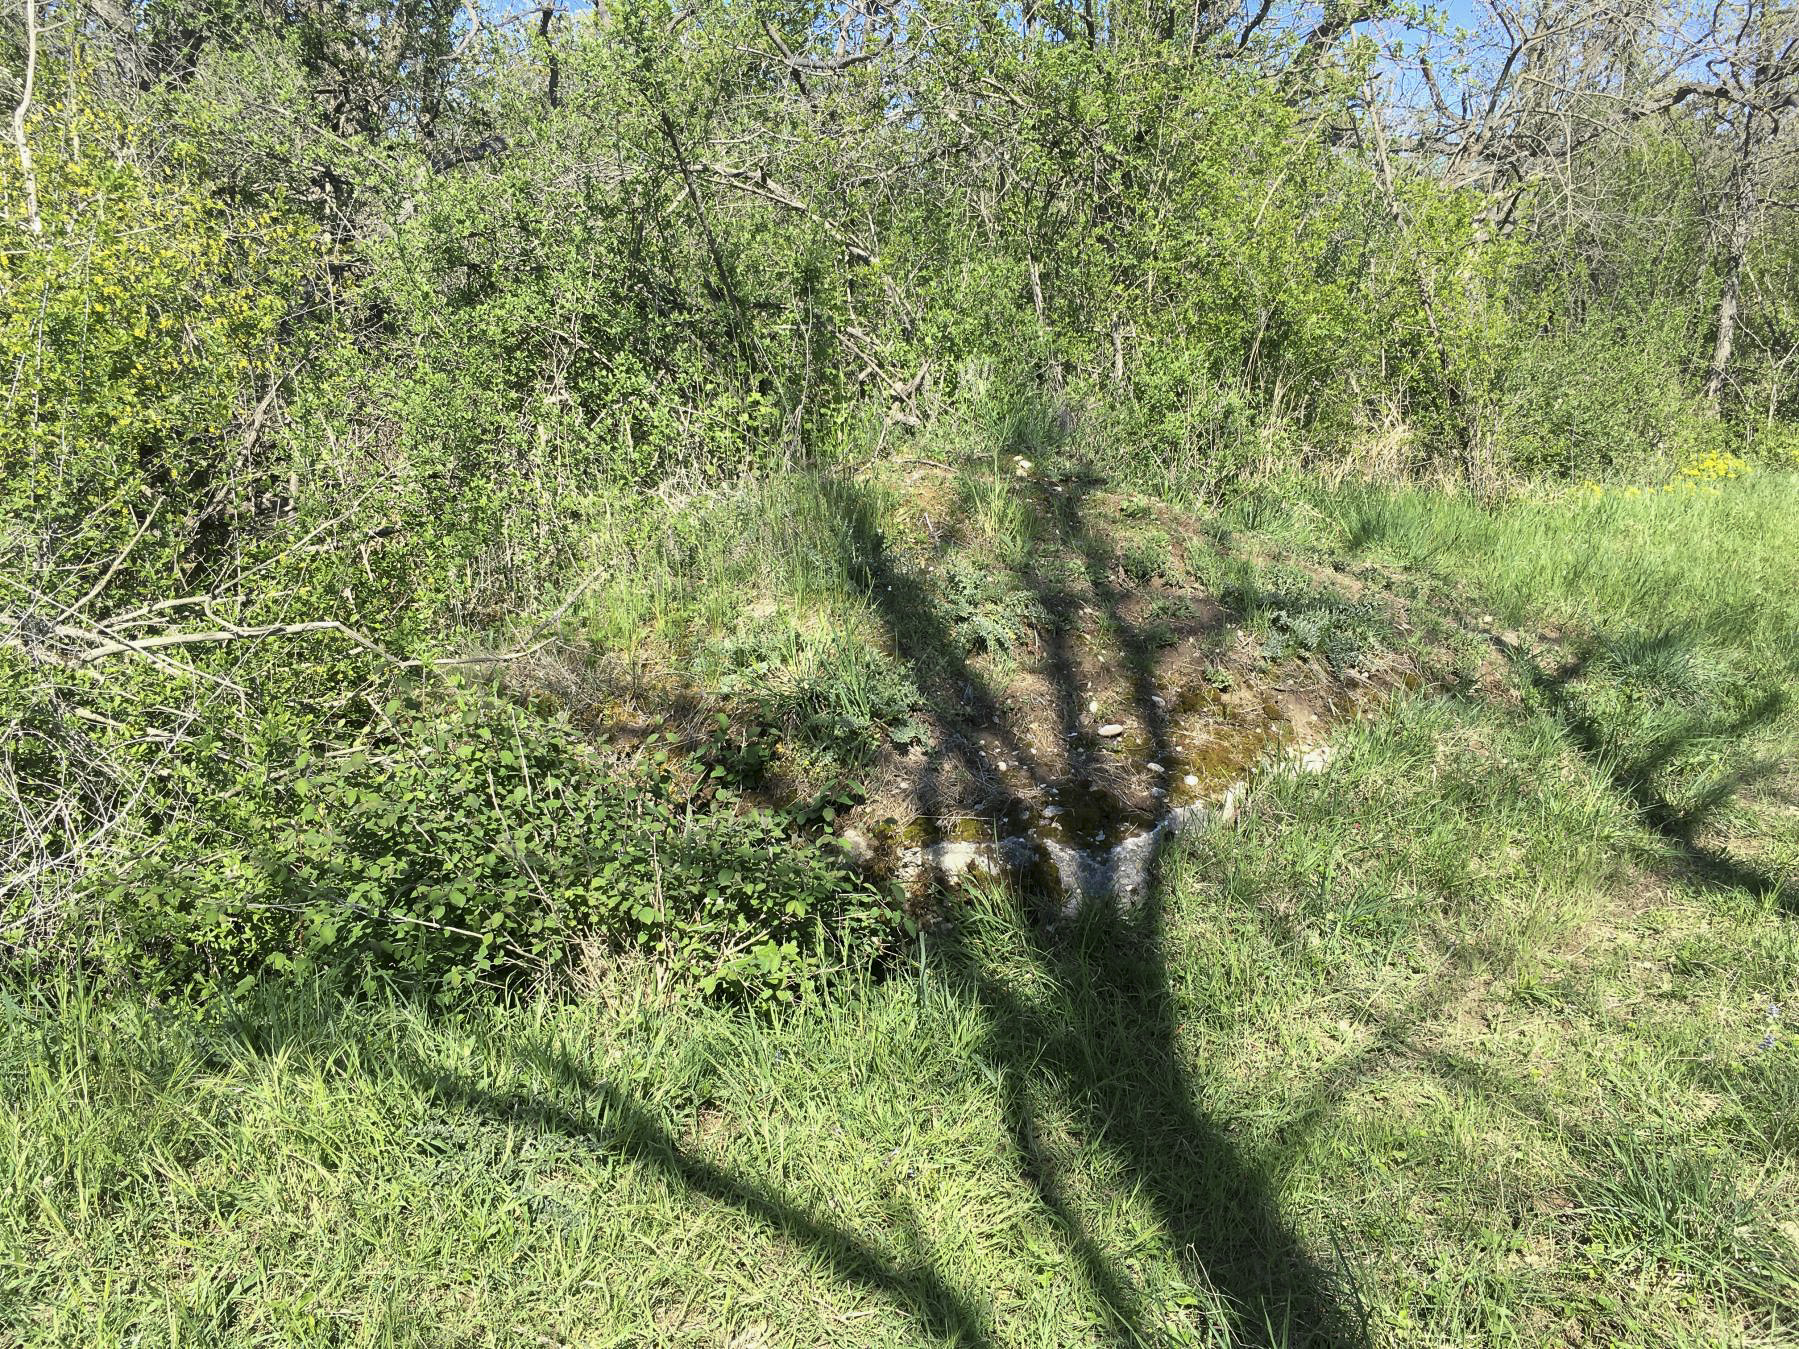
x=1774, y=443
x=1343, y=632
x=1602, y=397
x=1468, y=1048
x=139, y=333
x=849, y=702
x=1147, y=555
x=835, y=696
x=984, y=609
x=471, y=845
x=357, y=338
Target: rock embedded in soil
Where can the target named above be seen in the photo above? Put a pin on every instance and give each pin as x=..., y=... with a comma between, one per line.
x=949, y=860
x=1111, y=730
x=858, y=848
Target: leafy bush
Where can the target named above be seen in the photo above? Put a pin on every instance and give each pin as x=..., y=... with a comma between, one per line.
x=138, y=332
x=1774, y=443
x=847, y=705
x=985, y=609
x=472, y=845
x=840, y=698
x=1146, y=555
x=1595, y=398
x=349, y=335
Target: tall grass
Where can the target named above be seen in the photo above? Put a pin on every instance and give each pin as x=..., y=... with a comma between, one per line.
x=1483, y=1038
x=1719, y=568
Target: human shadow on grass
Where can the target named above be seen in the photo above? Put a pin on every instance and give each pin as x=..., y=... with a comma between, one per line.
x=1095, y=1037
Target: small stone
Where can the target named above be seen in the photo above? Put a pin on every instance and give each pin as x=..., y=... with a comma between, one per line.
x=1316, y=761
x=1157, y=791
x=1158, y=700
x=1002, y=765
x=1111, y=730
x=857, y=847
x=1190, y=780
x=1050, y=812
x=1093, y=707
x=1155, y=768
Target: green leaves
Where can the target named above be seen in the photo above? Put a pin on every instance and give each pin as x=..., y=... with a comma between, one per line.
x=393, y=862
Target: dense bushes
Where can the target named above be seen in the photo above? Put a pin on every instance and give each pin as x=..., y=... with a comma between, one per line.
x=347, y=333
x=138, y=337
x=470, y=843
x=1602, y=398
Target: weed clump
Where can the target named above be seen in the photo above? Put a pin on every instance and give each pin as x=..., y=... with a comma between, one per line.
x=472, y=845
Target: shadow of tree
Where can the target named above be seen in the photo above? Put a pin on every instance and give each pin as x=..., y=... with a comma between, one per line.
x=1101, y=1041
x=609, y=1121
x=556, y=1094
x=1082, y=1022
x=1637, y=770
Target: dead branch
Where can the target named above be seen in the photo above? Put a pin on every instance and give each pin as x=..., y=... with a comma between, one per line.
x=117, y=562
x=757, y=182
x=536, y=633
x=27, y=173
x=215, y=636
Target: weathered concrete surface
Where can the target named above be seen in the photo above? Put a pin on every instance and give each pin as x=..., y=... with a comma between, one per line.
x=1120, y=873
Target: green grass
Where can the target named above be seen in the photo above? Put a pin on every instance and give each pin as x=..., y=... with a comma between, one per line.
x=1468, y=1041
x=1719, y=569
x=1677, y=619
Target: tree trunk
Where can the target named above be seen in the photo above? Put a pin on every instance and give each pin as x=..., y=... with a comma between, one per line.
x=1736, y=244
x=21, y=142
x=1727, y=308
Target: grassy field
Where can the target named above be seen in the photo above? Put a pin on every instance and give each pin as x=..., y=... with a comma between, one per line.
x=1483, y=1037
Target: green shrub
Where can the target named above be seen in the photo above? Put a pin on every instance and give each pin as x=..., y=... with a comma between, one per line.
x=850, y=702
x=1595, y=399
x=1773, y=443
x=840, y=697
x=473, y=845
x=984, y=609
x=1146, y=555
x=137, y=332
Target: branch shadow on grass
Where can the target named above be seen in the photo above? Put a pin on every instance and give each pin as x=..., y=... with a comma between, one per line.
x=1099, y=1044
x=1082, y=1025
x=610, y=1121
x=1638, y=771
x=1082, y=1029
x=564, y=1099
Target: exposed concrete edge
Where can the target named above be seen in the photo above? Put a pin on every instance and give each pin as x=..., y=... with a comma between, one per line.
x=1121, y=873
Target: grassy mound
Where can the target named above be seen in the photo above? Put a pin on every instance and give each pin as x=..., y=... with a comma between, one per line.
x=1483, y=1037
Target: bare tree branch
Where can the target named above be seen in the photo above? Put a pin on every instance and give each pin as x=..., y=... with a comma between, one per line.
x=27, y=173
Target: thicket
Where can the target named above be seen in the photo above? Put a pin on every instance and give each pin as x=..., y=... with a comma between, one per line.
x=328, y=332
